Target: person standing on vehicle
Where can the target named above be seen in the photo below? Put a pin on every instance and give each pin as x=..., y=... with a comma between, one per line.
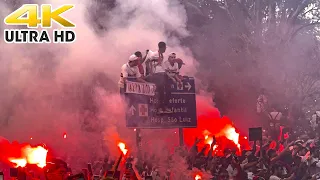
x=128, y=70
x=154, y=58
x=159, y=77
x=142, y=60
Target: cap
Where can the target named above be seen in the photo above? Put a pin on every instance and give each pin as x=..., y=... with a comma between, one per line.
x=133, y=58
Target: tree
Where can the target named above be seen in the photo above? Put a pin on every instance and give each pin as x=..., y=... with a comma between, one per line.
x=247, y=44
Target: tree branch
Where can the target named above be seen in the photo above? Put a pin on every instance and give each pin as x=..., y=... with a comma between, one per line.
x=300, y=8
x=312, y=9
x=225, y=7
x=244, y=9
x=257, y=11
x=302, y=27
x=195, y=7
x=272, y=7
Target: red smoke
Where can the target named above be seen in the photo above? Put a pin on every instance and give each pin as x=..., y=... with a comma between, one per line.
x=210, y=124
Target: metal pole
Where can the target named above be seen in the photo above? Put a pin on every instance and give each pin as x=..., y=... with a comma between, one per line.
x=181, y=137
x=138, y=141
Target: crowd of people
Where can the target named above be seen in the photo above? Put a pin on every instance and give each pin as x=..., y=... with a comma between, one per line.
x=294, y=156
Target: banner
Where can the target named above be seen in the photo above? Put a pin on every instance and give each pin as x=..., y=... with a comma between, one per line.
x=147, y=89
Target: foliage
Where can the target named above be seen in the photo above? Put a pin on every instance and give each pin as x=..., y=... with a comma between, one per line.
x=245, y=45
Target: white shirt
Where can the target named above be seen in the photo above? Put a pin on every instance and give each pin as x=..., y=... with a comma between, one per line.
x=153, y=55
x=155, y=67
x=127, y=71
x=250, y=175
x=232, y=171
x=273, y=177
x=150, y=57
x=159, y=69
x=171, y=70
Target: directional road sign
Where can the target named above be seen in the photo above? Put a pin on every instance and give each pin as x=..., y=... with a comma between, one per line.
x=142, y=101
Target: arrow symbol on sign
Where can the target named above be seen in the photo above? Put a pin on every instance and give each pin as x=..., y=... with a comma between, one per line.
x=132, y=109
x=188, y=86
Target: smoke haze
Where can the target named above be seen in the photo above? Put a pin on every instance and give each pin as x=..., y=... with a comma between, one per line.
x=51, y=89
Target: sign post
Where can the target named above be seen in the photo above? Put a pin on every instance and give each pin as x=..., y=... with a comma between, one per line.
x=181, y=142
x=142, y=101
x=138, y=141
